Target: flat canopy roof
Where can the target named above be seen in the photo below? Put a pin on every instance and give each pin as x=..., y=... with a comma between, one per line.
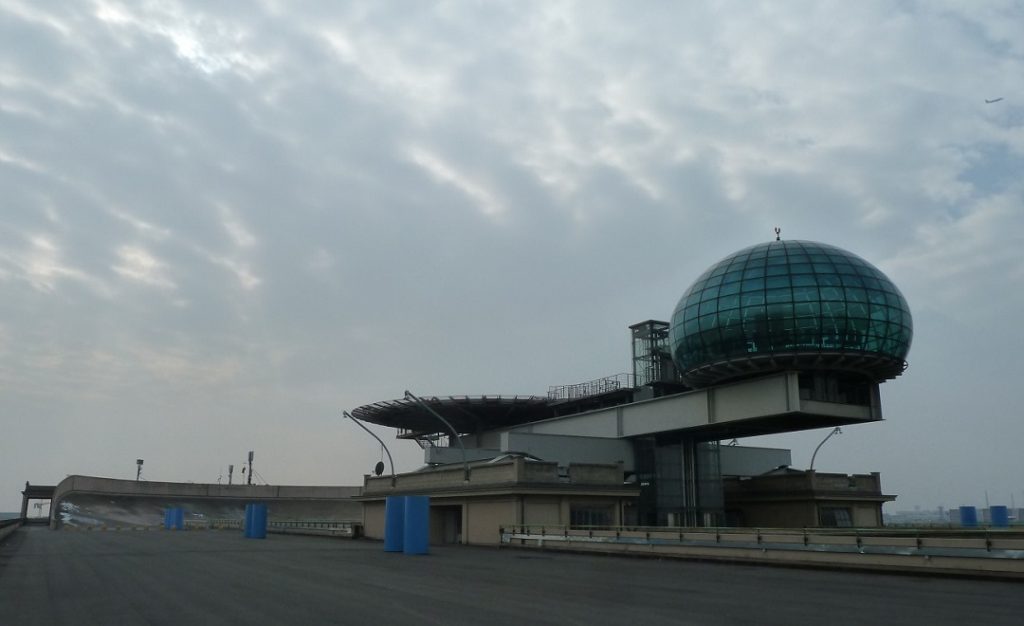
x=467, y=414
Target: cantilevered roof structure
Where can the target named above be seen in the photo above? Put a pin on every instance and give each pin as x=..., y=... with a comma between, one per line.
x=466, y=414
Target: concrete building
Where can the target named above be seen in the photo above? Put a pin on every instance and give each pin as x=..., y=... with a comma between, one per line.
x=788, y=497
x=778, y=337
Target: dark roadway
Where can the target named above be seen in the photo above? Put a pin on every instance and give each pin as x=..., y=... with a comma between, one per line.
x=219, y=577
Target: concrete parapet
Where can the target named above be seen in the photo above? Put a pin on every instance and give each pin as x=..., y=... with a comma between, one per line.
x=516, y=471
x=117, y=488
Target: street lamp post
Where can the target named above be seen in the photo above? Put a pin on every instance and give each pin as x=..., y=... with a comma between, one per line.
x=423, y=405
x=834, y=431
x=374, y=435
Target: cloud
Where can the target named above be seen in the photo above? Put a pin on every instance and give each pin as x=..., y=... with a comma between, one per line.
x=135, y=263
x=336, y=202
x=442, y=171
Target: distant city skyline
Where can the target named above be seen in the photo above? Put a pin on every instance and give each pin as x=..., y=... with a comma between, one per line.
x=222, y=228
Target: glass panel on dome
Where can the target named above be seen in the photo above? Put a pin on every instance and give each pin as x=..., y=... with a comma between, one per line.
x=773, y=282
x=751, y=298
x=708, y=322
x=729, y=318
x=807, y=309
x=728, y=302
x=831, y=293
x=854, y=294
x=730, y=288
x=753, y=284
x=833, y=309
x=778, y=295
x=752, y=314
x=805, y=294
x=857, y=309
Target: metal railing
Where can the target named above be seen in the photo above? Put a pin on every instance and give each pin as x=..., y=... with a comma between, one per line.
x=981, y=543
x=334, y=528
x=592, y=387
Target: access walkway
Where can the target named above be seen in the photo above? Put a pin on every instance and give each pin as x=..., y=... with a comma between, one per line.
x=219, y=577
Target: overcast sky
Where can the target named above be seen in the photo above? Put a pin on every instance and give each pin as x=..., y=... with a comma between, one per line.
x=221, y=224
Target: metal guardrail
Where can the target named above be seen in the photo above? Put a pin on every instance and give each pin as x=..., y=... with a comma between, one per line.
x=591, y=387
x=334, y=528
x=986, y=543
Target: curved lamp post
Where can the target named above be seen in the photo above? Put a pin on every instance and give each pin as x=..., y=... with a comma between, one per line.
x=372, y=434
x=834, y=431
x=423, y=405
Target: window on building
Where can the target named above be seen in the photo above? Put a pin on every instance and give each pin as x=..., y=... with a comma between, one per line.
x=835, y=516
x=589, y=515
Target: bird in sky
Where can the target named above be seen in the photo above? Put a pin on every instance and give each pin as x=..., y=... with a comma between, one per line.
x=992, y=101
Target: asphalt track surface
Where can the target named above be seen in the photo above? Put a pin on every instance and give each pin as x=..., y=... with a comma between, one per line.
x=219, y=577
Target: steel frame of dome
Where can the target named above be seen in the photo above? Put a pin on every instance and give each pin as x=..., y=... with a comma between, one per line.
x=794, y=305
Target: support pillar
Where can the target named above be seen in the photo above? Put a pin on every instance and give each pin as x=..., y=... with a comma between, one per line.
x=24, y=502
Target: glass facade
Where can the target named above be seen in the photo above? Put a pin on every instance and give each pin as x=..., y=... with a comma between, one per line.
x=791, y=298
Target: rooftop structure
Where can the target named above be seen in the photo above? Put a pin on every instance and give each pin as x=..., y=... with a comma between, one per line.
x=778, y=337
x=795, y=305
x=467, y=414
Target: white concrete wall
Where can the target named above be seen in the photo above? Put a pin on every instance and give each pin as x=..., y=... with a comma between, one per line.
x=769, y=396
x=566, y=450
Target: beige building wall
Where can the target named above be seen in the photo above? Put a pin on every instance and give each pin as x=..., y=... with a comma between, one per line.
x=540, y=510
x=373, y=520
x=483, y=518
x=866, y=515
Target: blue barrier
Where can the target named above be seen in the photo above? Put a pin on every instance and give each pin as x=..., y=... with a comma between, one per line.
x=417, y=525
x=394, y=523
x=999, y=516
x=256, y=521
x=174, y=518
x=968, y=516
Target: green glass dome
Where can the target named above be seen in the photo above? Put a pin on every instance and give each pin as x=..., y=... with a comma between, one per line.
x=788, y=305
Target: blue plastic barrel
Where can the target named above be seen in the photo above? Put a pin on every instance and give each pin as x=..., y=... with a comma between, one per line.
x=968, y=516
x=394, y=523
x=168, y=518
x=259, y=521
x=179, y=518
x=417, y=524
x=999, y=516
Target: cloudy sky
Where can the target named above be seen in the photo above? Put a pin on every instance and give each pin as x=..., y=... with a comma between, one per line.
x=223, y=223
